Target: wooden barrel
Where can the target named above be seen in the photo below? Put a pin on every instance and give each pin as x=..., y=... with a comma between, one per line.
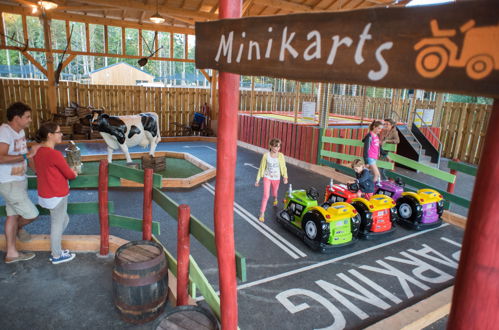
x=187, y=317
x=140, y=281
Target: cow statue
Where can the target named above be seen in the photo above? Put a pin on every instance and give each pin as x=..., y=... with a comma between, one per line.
x=127, y=131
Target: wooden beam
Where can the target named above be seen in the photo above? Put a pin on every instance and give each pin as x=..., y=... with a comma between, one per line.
x=247, y=4
x=106, y=40
x=123, y=42
x=67, y=61
x=285, y=5
x=186, y=46
x=164, y=9
x=140, y=42
x=26, y=3
x=25, y=29
x=136, y=57
x=51, y=90
x=68, y=34
x=87, y=37
x=99, y=20
x=35, y=63
x=83, y=8
x=205, y=74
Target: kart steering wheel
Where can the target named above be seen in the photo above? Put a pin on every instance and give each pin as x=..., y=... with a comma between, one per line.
x=312, y=193
x=353, y=187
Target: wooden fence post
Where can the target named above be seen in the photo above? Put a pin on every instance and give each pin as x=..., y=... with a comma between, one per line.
x=103, y=207
x=147, y=211
x=183, y=252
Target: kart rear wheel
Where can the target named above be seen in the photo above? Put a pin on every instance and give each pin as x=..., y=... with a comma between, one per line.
x=479, y=67
x=432, y=61
x=315, y=227
x=407, y=209
x=365, y=216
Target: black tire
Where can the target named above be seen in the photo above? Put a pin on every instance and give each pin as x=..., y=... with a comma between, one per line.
x=365, y=217
x=407, y=209
x=355, y=225
x=315, y=227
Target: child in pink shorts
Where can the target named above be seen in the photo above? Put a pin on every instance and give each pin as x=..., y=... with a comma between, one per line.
x=272, y=167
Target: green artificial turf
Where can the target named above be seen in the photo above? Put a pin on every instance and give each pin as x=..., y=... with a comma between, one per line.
x=175, y=168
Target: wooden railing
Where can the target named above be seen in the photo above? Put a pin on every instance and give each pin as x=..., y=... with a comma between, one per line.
x=462, y=125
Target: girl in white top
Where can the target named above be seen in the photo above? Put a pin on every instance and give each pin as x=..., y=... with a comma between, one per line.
x=272, y=167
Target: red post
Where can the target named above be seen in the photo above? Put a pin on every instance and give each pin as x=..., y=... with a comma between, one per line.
x=103, y=208
x=450, y=186
x=147, y=211
x=183, y=251
x=228, y=95
x=475, y=302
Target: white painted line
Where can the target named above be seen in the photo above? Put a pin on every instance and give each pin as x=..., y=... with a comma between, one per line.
x=327, y=262
x=201, y=147
x=267, y=228
x=251, y=165
x=259, y=228
x=451, y=241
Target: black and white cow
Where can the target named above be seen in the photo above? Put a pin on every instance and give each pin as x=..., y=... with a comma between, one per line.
x=127, y=131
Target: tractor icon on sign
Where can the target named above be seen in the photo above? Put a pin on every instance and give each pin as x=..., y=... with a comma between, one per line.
x=479, y=53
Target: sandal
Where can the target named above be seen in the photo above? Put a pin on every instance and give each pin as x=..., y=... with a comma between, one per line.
x=20, y=257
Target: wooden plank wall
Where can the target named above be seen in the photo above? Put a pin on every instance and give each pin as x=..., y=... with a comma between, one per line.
x=298, y=141
x=463, y=130
x=174, y=105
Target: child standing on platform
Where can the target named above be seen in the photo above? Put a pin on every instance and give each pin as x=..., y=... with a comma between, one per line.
x=364, y=179
x=272, y=167
x=372, y=148
x=53, y=174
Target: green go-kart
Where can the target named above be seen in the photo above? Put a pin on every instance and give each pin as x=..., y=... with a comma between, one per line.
x=322, y=228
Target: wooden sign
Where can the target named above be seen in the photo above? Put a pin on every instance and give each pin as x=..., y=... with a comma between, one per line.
x=452, y=48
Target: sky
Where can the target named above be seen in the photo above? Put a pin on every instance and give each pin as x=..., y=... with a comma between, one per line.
x=427, y=2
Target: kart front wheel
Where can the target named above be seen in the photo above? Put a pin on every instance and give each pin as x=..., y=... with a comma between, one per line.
x=316, y=228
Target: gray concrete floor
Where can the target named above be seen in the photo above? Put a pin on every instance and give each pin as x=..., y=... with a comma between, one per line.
x=78, y=294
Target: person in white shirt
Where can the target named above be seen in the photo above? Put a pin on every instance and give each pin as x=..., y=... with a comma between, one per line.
x=14, y=157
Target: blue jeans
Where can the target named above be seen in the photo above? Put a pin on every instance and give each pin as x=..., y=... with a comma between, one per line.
x=371, y=161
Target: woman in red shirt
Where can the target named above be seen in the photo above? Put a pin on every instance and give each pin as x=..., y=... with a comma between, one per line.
x=53, y=174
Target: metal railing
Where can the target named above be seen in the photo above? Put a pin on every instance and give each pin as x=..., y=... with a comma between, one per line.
x=399, y=119
x=423, y=124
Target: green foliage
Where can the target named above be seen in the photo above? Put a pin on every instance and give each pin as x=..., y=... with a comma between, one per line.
x=468, y=99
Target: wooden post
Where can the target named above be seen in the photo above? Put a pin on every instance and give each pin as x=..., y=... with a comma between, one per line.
x=214, y=89
x=224, y=191
x=296, y=104
x=103, y=207
x=147, y=211
x=51, y=88
x=475, y=303
x=252, y=100
x=450, y=186
x=183, y=252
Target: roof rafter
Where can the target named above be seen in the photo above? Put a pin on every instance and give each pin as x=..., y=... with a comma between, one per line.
x=99, y=20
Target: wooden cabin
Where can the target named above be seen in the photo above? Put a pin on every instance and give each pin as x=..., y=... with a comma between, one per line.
x=120, y=74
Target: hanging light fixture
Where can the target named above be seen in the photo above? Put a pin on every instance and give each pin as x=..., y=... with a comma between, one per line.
x=157, y=18
x=47, y=5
